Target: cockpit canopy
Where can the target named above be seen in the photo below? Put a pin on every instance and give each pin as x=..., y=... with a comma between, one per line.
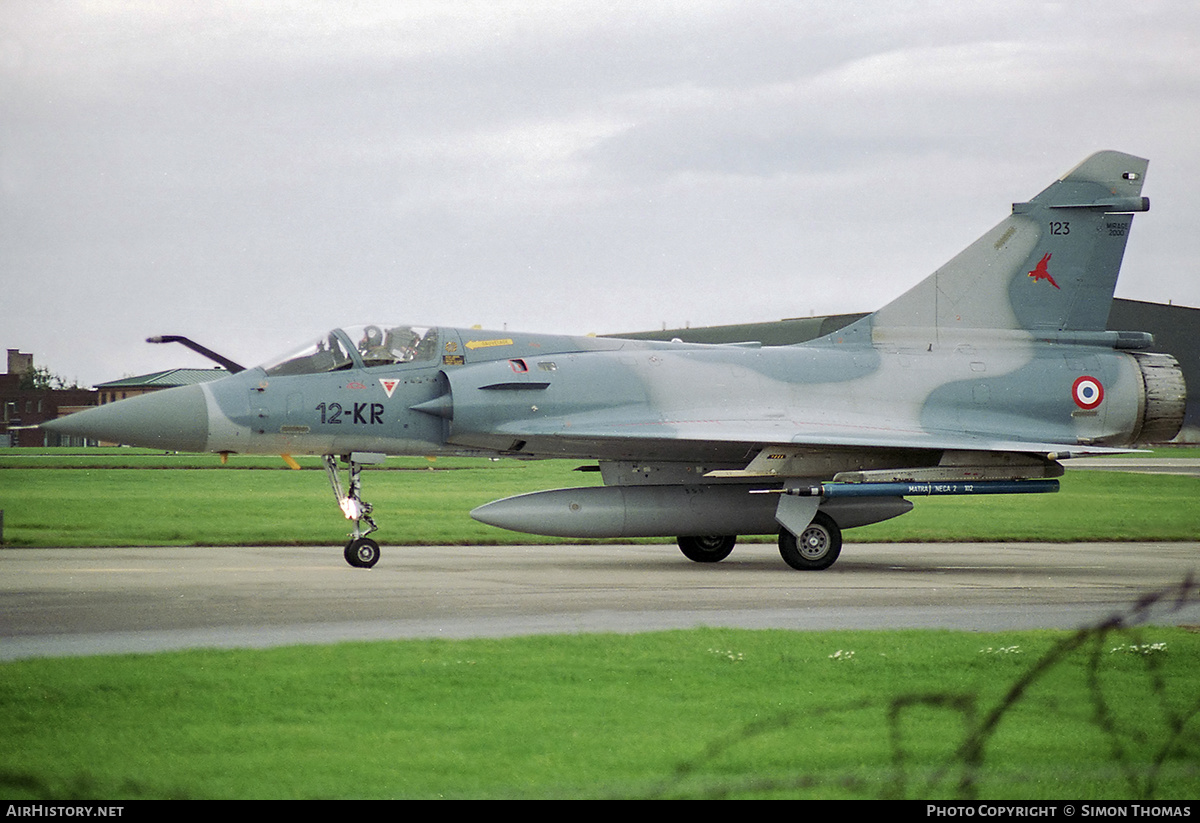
x=365, y=346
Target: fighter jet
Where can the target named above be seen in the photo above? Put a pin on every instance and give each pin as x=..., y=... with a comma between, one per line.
x=979, y=380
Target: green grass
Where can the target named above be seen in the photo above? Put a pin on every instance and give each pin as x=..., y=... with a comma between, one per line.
x=690, y=713
x=258, y=501
x=126, y=497
x=703, y=713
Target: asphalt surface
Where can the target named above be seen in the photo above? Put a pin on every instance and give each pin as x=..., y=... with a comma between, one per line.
x=96, y=601
x=1189, y=466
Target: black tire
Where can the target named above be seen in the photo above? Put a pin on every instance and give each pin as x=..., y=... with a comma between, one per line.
x=816, y=548
x=362, y=553
x=707, y=549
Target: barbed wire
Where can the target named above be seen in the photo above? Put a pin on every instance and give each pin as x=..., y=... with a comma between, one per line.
x=965, y=767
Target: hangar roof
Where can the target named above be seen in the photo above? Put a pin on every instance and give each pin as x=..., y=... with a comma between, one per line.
x=166, y=379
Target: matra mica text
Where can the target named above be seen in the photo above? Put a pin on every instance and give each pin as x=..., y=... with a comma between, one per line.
x=1067, y=810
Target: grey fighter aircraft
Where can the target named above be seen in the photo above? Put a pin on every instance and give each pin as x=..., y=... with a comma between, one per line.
x=979, y=380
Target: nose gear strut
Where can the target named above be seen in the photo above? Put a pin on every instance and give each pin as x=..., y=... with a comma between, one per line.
x=361, y=552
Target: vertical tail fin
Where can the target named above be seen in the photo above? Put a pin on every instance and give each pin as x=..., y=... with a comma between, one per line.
x=1049, y=267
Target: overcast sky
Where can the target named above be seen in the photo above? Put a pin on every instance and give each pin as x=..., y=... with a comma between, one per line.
x=252, y=174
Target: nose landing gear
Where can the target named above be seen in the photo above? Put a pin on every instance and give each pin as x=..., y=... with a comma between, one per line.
x=361, y=552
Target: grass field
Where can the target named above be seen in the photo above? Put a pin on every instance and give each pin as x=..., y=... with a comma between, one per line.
x=1100, y=714
x=701, y=713
x=126, y=497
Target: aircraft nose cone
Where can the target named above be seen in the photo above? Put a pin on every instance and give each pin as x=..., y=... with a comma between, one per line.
x=175, y=419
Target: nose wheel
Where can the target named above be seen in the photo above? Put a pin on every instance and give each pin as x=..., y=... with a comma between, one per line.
x=361, y=552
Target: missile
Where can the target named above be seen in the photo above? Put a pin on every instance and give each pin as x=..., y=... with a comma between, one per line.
x=841, y=490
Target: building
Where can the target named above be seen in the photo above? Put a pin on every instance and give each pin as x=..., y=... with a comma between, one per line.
x=26, y=402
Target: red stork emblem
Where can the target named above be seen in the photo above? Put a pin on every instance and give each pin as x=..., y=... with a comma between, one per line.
x=1041, y=272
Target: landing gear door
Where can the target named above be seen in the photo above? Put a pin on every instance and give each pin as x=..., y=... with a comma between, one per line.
x=795, y=513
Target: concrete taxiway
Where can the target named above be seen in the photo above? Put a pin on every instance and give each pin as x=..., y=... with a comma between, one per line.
x=1187, y=466
x=96, y=601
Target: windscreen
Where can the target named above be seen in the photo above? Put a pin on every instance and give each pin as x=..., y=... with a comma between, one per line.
x=326, y=354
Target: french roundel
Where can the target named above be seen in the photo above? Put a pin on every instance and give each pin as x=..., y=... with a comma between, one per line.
x=1088, y=392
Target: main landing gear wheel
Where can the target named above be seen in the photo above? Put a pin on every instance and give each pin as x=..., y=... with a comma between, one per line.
x=816, y=547
x=707, y=549
x=362, y=553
